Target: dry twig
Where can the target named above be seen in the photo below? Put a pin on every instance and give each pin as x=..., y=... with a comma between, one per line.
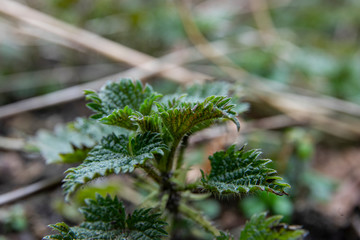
x=320, y=115
x=29, y=190
x=76, y=92
x=87, y=40
x=14, y=144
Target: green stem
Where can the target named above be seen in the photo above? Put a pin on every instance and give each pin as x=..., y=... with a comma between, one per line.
x=183, y=146
x=173, y=230
x=149, y=198
x=197, y=217
x=163, y=201
x=171, y=155
x=151, y=172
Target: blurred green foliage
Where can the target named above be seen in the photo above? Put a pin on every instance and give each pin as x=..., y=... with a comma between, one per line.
x=267, y=202
x=320, y=187
x=321, y=51
x=13, y=219
x=70, y=211
x=294, y=150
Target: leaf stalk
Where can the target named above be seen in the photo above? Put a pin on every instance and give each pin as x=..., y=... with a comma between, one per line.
x=197, y=217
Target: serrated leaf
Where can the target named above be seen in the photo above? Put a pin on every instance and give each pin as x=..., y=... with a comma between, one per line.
x=150, y=123
x=202, y=91
x=72, y=142
x=196, y=93
x=239, y=171
x=116, y=102
x=261, y=228
x=199, y=92
x=105, y=219
x=115, y=154
x=102, y=211
x=144, y=225
x=182, y=119
x=121, y=118
x=65, y=232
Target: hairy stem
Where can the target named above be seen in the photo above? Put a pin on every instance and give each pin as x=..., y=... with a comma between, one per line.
x=174, y=226
x=183, y=146
x=148, y=200
x=152, y=173
x=197, y=217
x=171, y=155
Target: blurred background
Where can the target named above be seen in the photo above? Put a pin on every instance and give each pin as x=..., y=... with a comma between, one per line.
x=297, y=64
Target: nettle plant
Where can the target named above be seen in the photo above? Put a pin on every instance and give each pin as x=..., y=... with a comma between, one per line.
x=139, y=132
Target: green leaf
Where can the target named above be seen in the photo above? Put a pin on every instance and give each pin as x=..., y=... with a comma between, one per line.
x=199, y=92
x=202, y=91
x=116, y=102
x=150, y=123
x=105, y=219
x=65, y=232
x=261, y=228
x=144, y=225
x=182, y=119
x=196, y=93
x=72, y=142
x=115, y=154
x=238, y=171
x=121, y=118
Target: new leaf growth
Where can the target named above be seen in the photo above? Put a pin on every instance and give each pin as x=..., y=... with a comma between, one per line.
x=137, y=128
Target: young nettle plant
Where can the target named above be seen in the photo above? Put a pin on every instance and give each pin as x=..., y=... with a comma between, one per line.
x=155, y=134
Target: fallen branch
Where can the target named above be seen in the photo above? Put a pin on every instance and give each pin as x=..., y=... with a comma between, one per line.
x=63, y=75
x=76, y=92
x=267, y=123
x=90, y=41
x=14, y=144
x=325, y=109
x=29, y=190
x=323, y=115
